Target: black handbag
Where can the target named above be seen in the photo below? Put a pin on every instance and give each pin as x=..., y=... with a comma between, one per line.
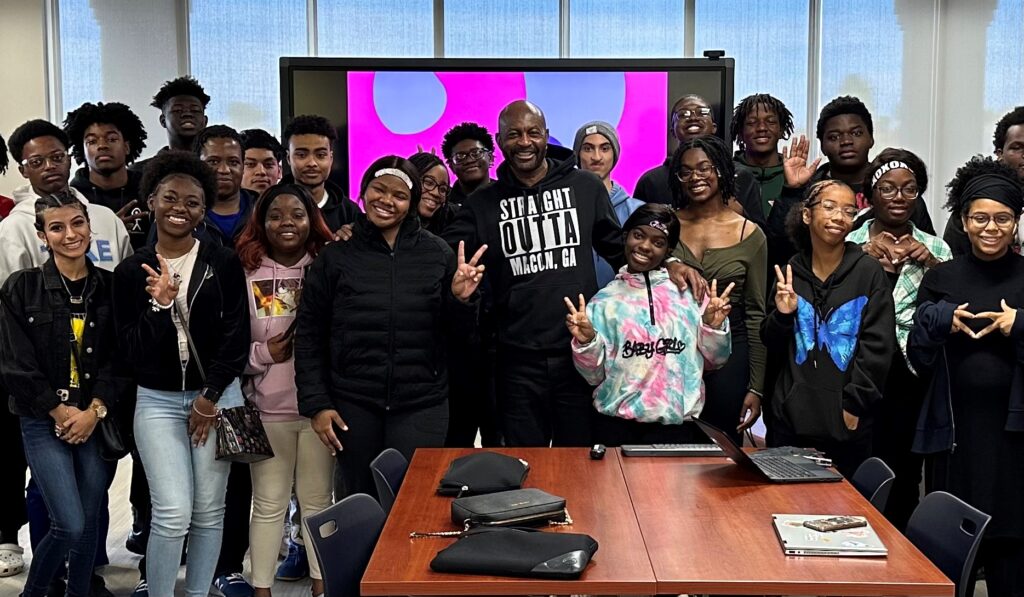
x=483, y=472
x=241, y=436
x=517, y=507
x=112, y=445
x=517, y=552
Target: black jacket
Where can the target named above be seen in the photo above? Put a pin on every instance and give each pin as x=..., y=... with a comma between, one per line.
x=338, y=210
x=653, y=188
x=218, y=321
x=854, y=326
x=35, y=354
x=540, y=248
x=115, y=199
x=372, y=321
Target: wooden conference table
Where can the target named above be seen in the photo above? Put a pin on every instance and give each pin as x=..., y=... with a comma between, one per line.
x=664, y=526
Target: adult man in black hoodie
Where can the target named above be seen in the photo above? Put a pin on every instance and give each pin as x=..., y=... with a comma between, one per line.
x=541, y=221
x=107, y=138
x=691, y=117
x=309, y=140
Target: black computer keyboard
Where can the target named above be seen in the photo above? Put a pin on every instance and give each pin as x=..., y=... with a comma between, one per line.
x=671, y=450
x=781, y=468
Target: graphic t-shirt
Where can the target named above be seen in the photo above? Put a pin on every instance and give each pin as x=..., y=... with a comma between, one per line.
x=75, y=288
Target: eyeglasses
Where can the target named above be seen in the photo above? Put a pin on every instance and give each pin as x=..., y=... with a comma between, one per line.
x=698, y=113
x=429, y=184
x=36, y=162
x=703, y=172
x=888, y=191
x=1003, y=220
x=830, y=209
x=470, y=156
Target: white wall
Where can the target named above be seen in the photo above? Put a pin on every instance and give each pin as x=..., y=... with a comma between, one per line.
x=23, y=74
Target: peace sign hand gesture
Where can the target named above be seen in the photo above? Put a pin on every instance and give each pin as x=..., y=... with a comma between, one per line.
x=718, y=307
x=467, y=275
x=578, y=323
x=794, y=162
x=1001, y=320
x=785, y=296
x=163, y=287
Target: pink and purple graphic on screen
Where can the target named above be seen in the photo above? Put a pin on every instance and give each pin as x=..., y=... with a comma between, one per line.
x=392, y=112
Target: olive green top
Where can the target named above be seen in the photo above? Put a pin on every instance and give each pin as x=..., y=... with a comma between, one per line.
x=746, y=264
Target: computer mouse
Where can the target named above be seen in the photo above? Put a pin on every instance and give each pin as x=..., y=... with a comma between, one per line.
x=597, y=452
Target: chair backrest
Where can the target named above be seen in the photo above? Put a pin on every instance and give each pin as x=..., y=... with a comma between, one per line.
x=388, y=470
x=948, y=531
x=873, y=479
x=344, y=536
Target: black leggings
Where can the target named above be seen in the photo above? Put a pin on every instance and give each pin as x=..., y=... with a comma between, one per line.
x=371, y=430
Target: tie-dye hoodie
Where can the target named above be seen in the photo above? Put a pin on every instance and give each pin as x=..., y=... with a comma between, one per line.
x=651, y=349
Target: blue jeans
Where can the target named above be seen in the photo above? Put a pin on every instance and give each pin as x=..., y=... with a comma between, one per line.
x=73, y=481
x=186, y=485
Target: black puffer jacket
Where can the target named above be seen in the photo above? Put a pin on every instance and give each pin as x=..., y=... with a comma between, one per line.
x=372, y=321
x=218, y=321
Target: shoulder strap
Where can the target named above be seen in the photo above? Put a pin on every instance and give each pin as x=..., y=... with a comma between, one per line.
x=743, y=230
x=188, y=340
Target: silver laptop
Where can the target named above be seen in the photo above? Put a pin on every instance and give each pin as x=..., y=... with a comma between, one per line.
x=798, y=540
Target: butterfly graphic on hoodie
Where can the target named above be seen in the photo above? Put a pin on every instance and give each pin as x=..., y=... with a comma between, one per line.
x=836, y=333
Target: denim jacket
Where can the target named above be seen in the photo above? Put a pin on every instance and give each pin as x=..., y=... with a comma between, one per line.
x=35, y=346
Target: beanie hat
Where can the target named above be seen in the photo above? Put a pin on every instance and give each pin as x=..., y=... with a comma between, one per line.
x=597, y=127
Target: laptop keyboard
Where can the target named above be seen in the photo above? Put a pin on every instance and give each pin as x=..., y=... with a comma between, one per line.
x=780, y=468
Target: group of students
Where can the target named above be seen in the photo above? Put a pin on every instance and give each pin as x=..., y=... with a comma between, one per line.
x=544, y=306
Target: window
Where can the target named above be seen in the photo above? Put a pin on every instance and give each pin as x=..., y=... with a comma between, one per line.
x=638, y=29
x=1004, y=77
x=392, y=28
x=236, y=59
x=768, y=39
x=96, y=38
x=501, y=29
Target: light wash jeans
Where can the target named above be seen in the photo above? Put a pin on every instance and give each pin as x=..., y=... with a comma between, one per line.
x=187, y=486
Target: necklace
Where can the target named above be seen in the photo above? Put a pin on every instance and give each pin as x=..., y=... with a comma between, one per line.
x=75, y=300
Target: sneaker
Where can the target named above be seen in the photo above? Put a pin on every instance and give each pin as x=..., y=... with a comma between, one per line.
x=98, y=587
x=141, y=589
x=296, y=565
x=136, y=543
x=11, y=560
x=233, y=585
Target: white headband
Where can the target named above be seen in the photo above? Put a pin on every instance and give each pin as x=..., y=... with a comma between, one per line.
x=396, y=173
x=886, y=167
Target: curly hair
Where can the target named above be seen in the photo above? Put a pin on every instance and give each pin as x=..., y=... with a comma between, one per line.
x=187, y=86
x=720, y=156
x=261, y=139
x=798, y=232
x=33, y=129
x=65, y=198
x=309, y=124
x=1012, y=118
x=217, y=131
x=956, y=203
x=183, y=163
x=461, y=132
x=749, y=105
x=896, y=154
x=115, y=114
x=252, y=242
x=844, y=104
x=3, y=156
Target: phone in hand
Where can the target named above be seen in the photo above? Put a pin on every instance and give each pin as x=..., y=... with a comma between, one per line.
x=836, y=523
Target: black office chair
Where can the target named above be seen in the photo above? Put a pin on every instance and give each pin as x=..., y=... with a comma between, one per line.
x=873, y=479
x=948, y=531
x=344, y=536
x=388, y=470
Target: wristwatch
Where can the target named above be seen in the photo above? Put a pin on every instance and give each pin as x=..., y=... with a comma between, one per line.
x=99, y=409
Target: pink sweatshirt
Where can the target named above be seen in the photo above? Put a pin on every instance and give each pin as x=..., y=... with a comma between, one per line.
x=273, y=292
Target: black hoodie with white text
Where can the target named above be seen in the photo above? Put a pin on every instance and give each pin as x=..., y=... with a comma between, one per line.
x=540, y=248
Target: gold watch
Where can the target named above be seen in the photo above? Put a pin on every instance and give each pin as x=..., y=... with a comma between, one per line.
x=100, y=409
